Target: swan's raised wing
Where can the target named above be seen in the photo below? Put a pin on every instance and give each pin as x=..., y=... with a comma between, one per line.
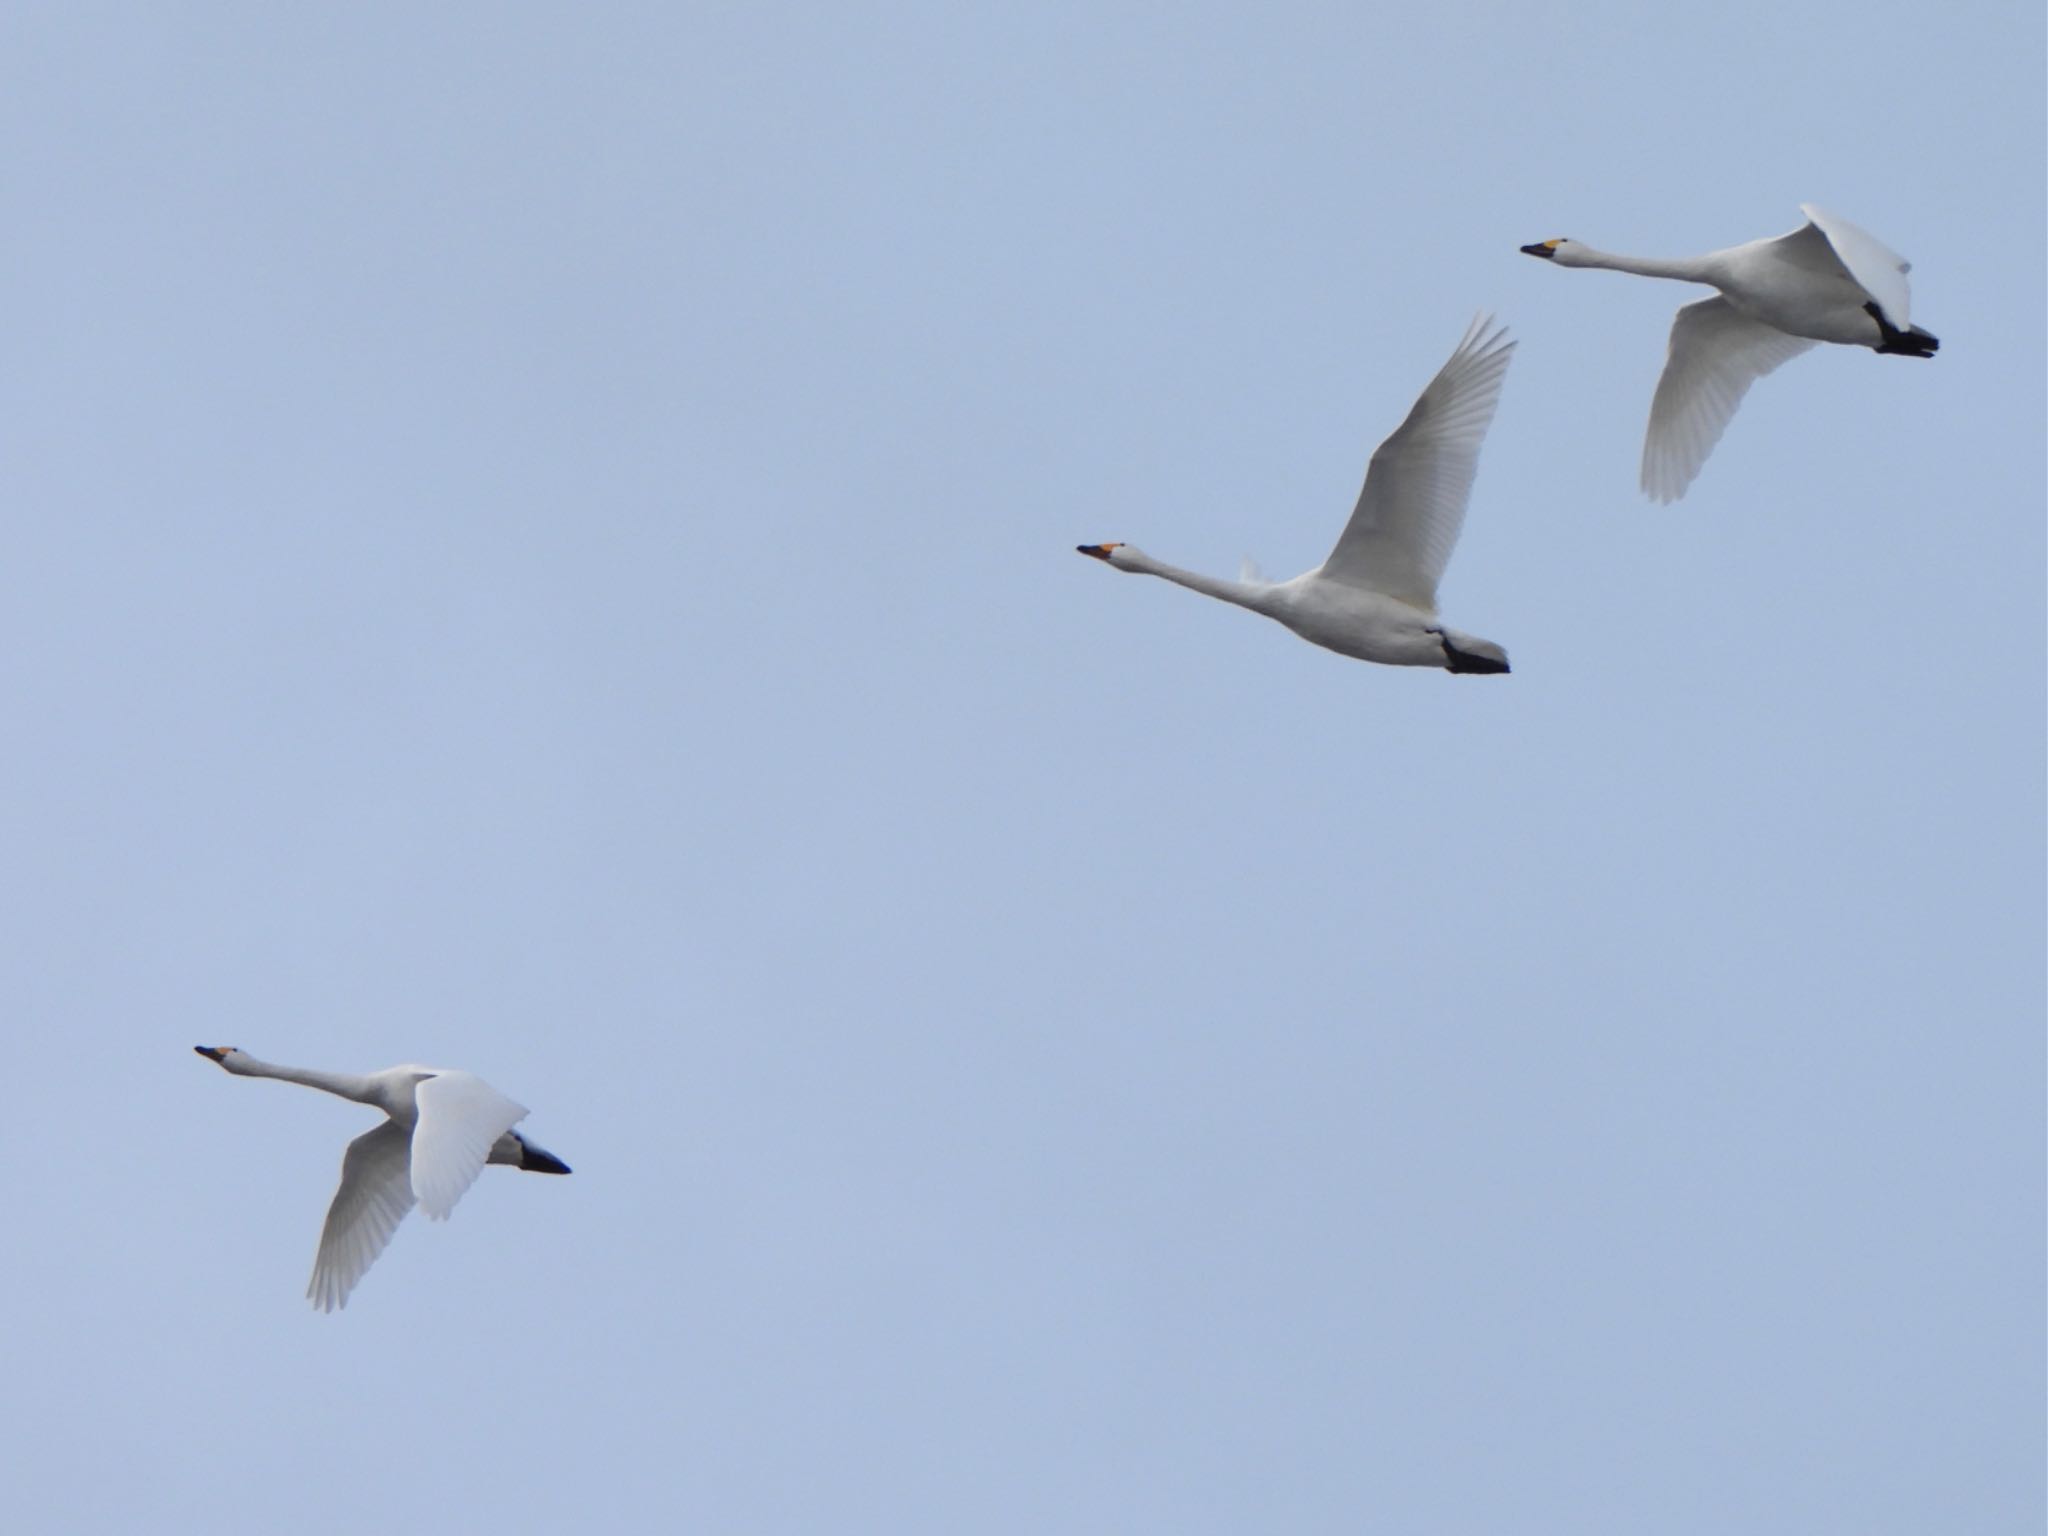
x=1409, y=513
x=375, y=1194
x=1716, y=354
x=1879, y=269
x=460, y=1116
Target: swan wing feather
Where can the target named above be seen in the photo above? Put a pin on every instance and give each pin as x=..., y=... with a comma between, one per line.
x=1716, y=354
x=1876, y=267
x=460, y=1116
x=1412, y=506
x=375, y=1194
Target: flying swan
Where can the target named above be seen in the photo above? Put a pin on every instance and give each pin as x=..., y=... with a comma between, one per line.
x=1375, y=597
x=444, y=1127
x=1826, y=281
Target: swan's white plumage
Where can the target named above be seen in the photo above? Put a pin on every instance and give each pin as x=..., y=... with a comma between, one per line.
x=442, y=1128
x=1827, y=281
x=1412, y=506
x=1716, y=354
x=1374, y=598
x=460, y=1117
x=375, y=1193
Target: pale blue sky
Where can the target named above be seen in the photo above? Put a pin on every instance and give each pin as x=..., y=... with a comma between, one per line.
x=541, y=541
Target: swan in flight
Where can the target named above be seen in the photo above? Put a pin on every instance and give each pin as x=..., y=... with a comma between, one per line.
x=444, y=1127
x=1375, y=596
x=1826, y=281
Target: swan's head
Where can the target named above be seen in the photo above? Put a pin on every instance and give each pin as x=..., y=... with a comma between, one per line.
x=223, y=1054
x=1123, y=556
x=1562, y=251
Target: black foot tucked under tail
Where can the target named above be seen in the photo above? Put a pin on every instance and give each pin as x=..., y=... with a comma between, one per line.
x=1456, y=660
x=1911, y=342
x=533, y=1160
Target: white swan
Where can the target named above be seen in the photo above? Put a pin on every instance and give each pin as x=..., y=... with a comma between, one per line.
x=1826, y=281
x=1375, y=597
x=444, y=1127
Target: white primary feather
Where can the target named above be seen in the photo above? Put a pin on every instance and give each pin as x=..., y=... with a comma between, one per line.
x=460, y=1116
x=1412, y=505
x=375, y=1194
x=1716, y=354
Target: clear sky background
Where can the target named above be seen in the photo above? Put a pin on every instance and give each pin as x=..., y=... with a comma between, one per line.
x=540, y=539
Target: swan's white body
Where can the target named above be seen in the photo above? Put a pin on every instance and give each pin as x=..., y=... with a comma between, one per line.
x=443, y=1128
x=1825, y=281
x=1375, y=596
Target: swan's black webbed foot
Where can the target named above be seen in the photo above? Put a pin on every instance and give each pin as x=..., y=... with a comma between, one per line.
x=1911, y=342
x=1456, y=660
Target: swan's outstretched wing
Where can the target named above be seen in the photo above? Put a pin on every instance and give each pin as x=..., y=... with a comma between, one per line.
x=1408, y=515
x=1880, y=269
x=1716, y=354
x=460, y=1116
x=375, y=1194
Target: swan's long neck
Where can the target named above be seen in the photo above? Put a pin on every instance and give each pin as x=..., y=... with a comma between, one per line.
x=346, y=1084
x=1685, y=269
x=1246, y=594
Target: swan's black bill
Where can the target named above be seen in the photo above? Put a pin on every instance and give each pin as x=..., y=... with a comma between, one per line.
x=1547, y=249
x=211, y=1052
x=1095, y=551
